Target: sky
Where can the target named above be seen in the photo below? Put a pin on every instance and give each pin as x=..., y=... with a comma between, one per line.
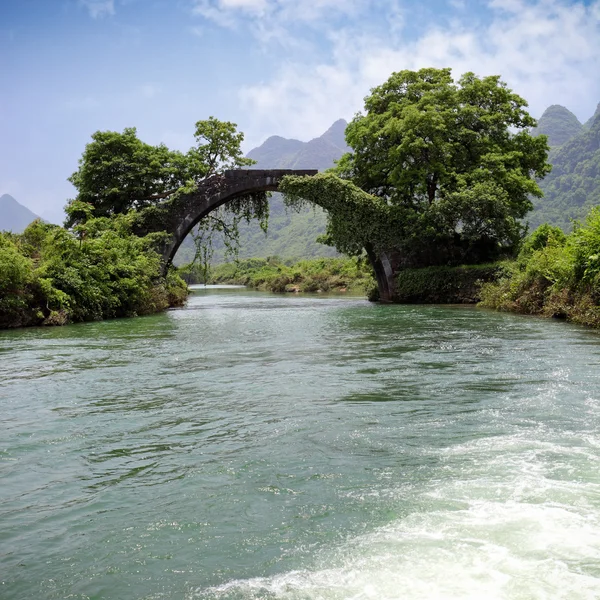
x=274, y=67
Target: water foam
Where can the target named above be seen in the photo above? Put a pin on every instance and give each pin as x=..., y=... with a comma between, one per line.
x=506, y=529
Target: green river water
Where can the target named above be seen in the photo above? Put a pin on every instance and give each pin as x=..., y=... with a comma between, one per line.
x=252, y=445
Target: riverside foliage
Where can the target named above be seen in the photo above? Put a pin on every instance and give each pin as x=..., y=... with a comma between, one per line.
x=554, y=275
x=103, y=264
x=52, y=276
x=274, y=274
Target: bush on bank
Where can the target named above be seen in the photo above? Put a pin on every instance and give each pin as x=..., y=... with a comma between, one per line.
x=275, y=275
x=554, y=275
x=51, y=276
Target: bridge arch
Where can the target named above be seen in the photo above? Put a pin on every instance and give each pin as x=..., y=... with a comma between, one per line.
x=188, y=210
x=184, y=213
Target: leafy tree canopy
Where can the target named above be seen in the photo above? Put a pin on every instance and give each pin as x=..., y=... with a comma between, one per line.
x=118, y=172
x=453, y=163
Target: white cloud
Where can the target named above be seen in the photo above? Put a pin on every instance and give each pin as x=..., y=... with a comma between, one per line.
x=548, y=51
x=250, y=5
x=99, y=8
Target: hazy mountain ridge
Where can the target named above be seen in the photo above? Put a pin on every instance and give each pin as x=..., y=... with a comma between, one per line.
x=588, y=124
x=276, y=150
x=319, y=153
x=573, y=185
x=14, y=216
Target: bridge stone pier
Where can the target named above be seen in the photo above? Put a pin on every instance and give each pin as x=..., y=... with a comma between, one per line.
x=186, y=211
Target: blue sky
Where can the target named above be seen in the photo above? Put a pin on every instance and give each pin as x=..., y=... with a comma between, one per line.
x=275, y=67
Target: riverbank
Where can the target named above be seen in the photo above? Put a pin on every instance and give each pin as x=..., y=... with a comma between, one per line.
x=52, y=276
x=430, y=285
x=555, y=275
x=276, y=275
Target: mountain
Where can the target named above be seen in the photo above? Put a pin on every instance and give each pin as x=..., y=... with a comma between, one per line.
x=590, y=121
x=290, y=234
x=559, y=124
x=14, y=216
x=320, y=153
x=573, y=186
x=276, y=150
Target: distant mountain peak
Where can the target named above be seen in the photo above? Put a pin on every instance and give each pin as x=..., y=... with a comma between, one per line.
x=338, y=128
x=277, y=139
x=559, y=124
x=14, y=216
x=336, y=135
x=319, y=153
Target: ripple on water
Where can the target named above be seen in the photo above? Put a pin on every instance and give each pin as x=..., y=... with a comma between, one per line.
x=261, y=446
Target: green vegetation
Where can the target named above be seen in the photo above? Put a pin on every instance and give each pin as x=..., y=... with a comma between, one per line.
x=276, y=275
x=51, y=276
x=573, y=186
x=103, y=264
x=442, y=171
x=118, y=172
x=554, y=275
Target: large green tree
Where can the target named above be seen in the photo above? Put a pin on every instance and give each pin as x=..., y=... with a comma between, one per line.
x=119, y=172
x=452, y=161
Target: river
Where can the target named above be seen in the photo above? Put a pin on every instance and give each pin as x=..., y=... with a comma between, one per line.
x=253, y=445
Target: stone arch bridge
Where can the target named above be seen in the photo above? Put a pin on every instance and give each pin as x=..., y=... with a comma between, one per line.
x=186, y=211
x=180, y=216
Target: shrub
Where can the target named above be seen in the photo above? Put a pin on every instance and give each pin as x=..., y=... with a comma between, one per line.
x=554, y=275
x=51, y=276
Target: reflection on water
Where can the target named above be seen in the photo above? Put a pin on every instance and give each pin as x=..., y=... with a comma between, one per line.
x=260, y=446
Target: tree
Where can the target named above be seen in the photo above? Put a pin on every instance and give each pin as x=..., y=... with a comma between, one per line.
x=454, y=161
x=219, y=147
x=118, y=172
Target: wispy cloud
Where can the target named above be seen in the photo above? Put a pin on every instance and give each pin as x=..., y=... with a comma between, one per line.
x=547, y=50
x=99, y=8
x=197, y=31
